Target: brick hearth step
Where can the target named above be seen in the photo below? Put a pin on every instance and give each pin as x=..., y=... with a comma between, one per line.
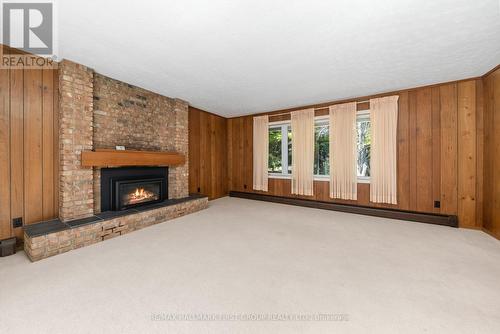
x=52, y=237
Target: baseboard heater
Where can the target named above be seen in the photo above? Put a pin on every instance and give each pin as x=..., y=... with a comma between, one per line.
x=429, y=218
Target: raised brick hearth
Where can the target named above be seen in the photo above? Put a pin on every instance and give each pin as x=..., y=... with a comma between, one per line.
x=97, y=112
x=55, y=237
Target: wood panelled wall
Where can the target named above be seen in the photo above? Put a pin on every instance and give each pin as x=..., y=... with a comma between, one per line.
x=492, y=153
x=28, y=147
x=440, y=153
x=444, y=135
x=207, y=154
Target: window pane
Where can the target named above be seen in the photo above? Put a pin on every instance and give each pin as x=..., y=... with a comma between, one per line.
x=321, y=150
x=364, y=144
x=289, y=150
x=274, y=165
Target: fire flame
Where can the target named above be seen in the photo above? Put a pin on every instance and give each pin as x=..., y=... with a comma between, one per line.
x=140, y=194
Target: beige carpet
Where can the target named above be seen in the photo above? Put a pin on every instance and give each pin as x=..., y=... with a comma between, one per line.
x=253, y=260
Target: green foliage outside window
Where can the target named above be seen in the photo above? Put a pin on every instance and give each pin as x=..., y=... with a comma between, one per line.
x=321, y=150
x=275, y=164
x=277, y=158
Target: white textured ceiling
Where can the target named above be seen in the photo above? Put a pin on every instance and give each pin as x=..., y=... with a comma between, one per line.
x=240, y=57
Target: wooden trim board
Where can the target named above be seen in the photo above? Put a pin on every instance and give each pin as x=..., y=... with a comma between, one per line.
x=109, y=158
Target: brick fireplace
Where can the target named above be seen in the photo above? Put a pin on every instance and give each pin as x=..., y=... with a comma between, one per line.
x=99, y=113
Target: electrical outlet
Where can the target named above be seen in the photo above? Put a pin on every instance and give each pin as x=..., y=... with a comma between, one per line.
x=437, y=204
x=17, y=222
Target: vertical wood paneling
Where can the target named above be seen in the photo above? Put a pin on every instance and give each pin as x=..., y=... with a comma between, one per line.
x=229, y=153
x=403, y=160
x=221, y=147
x=491, y=208
x=489, y=101
x=238, y=157
x=436, y=147
x=363, y=194
x=206, y=159
x=240, y=132
x=17, y=146
x=412, y=107
x=449, y=149
x=205, y=147
x=5, y=226
x=55, y=117
x=423, y=160
x=428, y=154
x=33, y=155
x=495, y=155
x=29, y=139
x=479, y=152
x=467, y=153
x=207, y=153
x=213, y=158
x=48, y=134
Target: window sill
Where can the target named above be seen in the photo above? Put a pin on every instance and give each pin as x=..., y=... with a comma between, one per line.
x=279, y=176
x=363, y=179
x=316, y=178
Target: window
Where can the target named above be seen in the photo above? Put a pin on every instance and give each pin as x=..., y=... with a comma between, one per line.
x=321, y=148
x=363, y=145
x=275, y=161
x=289, y=130
x=280, y=149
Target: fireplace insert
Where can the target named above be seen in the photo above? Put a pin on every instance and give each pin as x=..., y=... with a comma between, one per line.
x=129, y=187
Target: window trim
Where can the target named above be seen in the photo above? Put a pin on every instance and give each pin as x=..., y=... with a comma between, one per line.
x=363, y=179
x=360, y=115
x=363, y=114
x=322, y=119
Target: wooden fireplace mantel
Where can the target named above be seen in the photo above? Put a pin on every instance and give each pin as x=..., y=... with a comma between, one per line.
x=115, y=158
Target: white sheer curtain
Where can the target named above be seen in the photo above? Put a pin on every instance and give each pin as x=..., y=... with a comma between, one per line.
x=260, y=152
x=343, y=176
x=302, y=152
x=383, y=167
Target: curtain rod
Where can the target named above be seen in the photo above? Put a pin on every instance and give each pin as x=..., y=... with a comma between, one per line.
x=315, y=109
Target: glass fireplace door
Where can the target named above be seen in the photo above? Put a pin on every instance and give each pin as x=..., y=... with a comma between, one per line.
x=129, y=194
